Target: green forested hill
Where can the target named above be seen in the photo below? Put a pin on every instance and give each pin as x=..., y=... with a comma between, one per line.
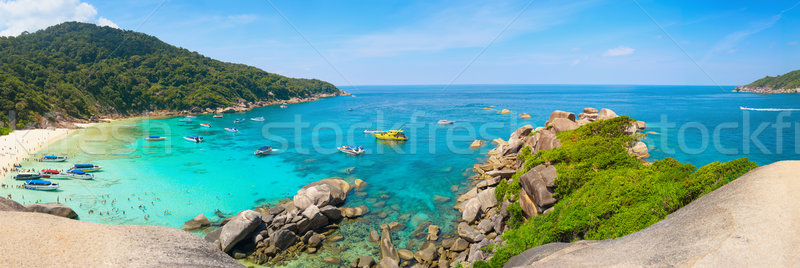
x=78, y=70
x=785, y=83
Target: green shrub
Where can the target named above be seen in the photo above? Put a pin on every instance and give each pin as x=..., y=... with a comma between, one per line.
x=606, y=193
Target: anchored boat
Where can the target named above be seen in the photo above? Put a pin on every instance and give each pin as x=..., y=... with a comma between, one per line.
x=196, y=139
x=351, y=150
x=86, y=167
x=40, y=185
x=205, y=125
x=27, y=176
x=155, y=138
x=217, y=116
x=263, y=151
x=258, y=119
x=445, y=122
x=394, y=135
x=53, y=158
x=79, y=174
x=231, y=129
x=54, y=174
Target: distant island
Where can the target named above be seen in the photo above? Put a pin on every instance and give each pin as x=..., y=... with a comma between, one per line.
x=77, y=71
x=786, y=83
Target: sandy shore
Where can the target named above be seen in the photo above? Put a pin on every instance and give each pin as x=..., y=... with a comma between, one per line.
x=21, y=144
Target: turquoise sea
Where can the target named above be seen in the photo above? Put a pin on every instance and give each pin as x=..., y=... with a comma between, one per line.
x=166, y=183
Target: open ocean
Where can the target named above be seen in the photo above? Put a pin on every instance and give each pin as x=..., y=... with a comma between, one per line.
x=168, y=182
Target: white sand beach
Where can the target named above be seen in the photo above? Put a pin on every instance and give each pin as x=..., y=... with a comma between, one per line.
x=20, y=144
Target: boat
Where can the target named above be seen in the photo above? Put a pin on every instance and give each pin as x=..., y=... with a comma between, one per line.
x=445, y=122
x=258, y=119
x=394, y=135
x=351, y=150
x=350, y=109
x=263, y=151
x=205, y=125
x=53, y=158
x=79, y=174
x=40, y=185
x=217, y=116
x=231, y=129
x=191, y=116
x=185, y=119
x=197, y=139
x=372, y=131
x=284, y=106
x=238, y=120
x=27, y=176
x=87, y=167
x=155, y=138
x=53, y=174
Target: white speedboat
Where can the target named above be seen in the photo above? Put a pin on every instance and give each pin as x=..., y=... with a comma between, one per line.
x=351, y=150
x=79, y=174
x=231, y=129
x=284, y=106
x=196, y=139
x=445, y=122
x=53, y=158
x=372, y=131
x=258, y=119
x=40, y=185
x=27, y=176
x=86, y=167
x=54, y=174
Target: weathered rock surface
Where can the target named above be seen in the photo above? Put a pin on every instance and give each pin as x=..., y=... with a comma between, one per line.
x=752, y=221
x=355, y=212
x=605, y=114
x=561, y=114
x=196, y=223
x=11, y=205
x=84, y=244
x=389, y=255
x=476, y=144
x=331, y=191
x=639, y=150
x=468, y=233
x=55, y=209
x=238, y=228
x=562, y=124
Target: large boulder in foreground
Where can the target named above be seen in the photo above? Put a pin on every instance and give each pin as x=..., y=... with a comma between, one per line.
x=43, y=240
x=11, y=205
x=56, y=209
x=238, y=228
x=752, y=221
x=331, y=191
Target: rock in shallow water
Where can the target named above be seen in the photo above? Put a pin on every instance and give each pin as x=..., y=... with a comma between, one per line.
x=238, y=228
x=53, y=209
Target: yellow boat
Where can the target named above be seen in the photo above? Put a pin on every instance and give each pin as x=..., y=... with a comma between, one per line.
x=395, y=135
x=155, y=138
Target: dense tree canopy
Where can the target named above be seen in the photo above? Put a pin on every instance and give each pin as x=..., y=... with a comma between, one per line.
x=785, y=81
x=79, y=70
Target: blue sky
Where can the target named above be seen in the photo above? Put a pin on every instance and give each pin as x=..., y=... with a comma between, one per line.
x=435, y=42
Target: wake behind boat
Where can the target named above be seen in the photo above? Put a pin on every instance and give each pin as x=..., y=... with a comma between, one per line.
x=53, y=158
x=196, y=139
x=40, y=185
x=351, y=150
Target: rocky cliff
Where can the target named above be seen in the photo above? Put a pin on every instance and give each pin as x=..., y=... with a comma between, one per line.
x=752, y=221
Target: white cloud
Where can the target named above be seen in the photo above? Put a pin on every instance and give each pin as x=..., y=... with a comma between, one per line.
x=618, y=51
x=462, y=26
x=31, y=15
x=106, y=22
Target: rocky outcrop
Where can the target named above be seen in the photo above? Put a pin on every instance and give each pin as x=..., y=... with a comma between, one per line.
x=53, y=209
x=196, y=223
x=639, y=150
x=278, y=233
x=389, y=255
x=26, y=238
x=766, y=90
x=751, y=221
x=11, y=205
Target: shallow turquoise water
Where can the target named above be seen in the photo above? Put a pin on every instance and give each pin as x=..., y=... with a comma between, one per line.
x=186, y=179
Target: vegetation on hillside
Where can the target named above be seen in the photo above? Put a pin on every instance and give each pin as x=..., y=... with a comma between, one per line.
x=603, y=191
x=78, y=70
x=785, y=81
